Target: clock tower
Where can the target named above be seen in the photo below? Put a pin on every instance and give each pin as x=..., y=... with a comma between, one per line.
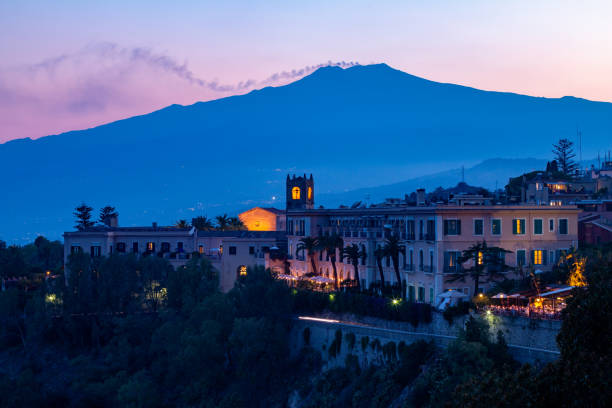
x=300, y=192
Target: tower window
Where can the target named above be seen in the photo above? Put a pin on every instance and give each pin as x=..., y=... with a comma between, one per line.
x=295, y=193
x=310, y=193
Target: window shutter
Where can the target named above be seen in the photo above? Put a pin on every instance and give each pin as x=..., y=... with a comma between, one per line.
x=514, y=229
x=532, y=257
x=545, y=257
x=445, y=227
x=458, y=227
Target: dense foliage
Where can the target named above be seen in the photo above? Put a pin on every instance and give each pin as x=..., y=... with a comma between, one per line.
x=132, y=332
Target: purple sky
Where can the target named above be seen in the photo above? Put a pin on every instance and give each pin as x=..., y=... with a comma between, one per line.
x=71, y=64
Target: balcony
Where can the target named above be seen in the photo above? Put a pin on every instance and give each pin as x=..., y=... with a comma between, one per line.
x=409, y=236
x=453, y=269
x=430, y=236
x=429, y=269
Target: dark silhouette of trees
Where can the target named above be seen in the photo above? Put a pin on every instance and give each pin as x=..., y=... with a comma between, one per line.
x=223, y=222
x=202, y=223
x=330, y=244
x=393, y=248
x=182, y=224
x=310, y=246
x=83, y=216
x=353, y=254
x=564, y=155
x=486, y=262
x=106, y=213
x=379, y=254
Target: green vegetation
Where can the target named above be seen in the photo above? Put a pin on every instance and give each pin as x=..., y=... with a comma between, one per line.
x=132, y=332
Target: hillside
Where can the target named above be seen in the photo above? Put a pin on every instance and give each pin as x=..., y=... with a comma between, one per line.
x=357, y=127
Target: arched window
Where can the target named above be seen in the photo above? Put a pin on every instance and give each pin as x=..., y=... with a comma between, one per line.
x=310, y=193
x=295, y=193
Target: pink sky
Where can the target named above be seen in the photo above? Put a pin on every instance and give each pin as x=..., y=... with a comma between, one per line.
x=72, y=65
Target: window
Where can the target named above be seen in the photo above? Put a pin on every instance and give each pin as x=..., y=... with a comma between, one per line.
x=310, y=193
x=232, y=250
x=537, y=226
x=551, y=257
x=165, y=247
x=75, y=249
x=242, y=270
x=452, y=227
x=551, y=224
x=150, y=246
x=451, y=264
x=179, y=247
x=201, y=249
x=538, y=257
x=431, y=230
x=431, y=295
x=478, y=227
x=518, y=226
x=421, y=294
x=411, y=293
x=295, y=193
x=420, y=229
x=421, y=259
x=520, y=257
x=563, y=226
x=411, y=257
x=135, y=247
x=121, y=247
x=431, y=261
x=496, y=226
x=96, y=251
x=251, y=250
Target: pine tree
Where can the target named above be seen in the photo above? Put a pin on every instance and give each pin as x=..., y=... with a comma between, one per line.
x=564, y=155
x=107, y=212
x=83, y=215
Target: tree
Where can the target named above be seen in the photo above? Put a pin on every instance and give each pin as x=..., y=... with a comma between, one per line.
x=106, y=213
x=393, y=248
x=236, y=224
x=83, y=215
x=564, y=155
x=330, y=243
x=310, y=245
x=485, y=261
x=182, y=224
x=202, y=223
x=353, y=253
x=222, y=222
x=379, y=254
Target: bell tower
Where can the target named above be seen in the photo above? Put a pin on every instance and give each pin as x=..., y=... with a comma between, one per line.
x=300, y=192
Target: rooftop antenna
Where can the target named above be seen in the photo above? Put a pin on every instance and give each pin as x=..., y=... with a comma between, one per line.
x=579, y=143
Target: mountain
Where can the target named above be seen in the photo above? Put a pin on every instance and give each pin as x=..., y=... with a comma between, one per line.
x=361, y=126
x=490, y=174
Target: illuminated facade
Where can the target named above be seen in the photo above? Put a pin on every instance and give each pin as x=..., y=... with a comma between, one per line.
x=433, y=235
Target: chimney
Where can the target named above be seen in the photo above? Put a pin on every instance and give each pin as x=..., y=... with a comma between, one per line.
x=420, y=196
x=112, y=221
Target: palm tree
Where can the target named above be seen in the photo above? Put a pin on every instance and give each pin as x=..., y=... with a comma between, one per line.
x=393, y=248
x=236, y=224
x=182, y=224
x=379, y=254
x=354, y=254
x=310, y=245
x=330, y=243
x=222, y=222
x=487, y=261
x=202, y=223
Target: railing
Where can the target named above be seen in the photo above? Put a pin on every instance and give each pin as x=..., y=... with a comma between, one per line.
x=410, y=236
x=453, y=269
x=429, y=269
x=409, y=267
x=430, y=236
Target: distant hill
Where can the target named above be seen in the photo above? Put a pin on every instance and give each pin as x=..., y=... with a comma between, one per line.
x=488, y=174
x=366, y=125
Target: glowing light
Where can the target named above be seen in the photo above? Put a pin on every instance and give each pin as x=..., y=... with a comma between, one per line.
x=395, y=302
x=310, y=193
x=480, y=258
x=318, y=319
x=577, y=273
x=332, y=297
x=242, y=270
x=295, y=193
x=480, y=295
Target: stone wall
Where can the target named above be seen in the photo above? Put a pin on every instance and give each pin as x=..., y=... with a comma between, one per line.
x=528, y=340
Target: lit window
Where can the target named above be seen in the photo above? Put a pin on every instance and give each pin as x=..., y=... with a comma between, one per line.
x=310, y=193
x=295, y=193
x=537, y=257
x=518, y=226
x=201, y=249
x=150, y=246
x=242, y=270
x=480, y=256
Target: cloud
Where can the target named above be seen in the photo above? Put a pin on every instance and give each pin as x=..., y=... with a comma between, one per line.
x=105, y=82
